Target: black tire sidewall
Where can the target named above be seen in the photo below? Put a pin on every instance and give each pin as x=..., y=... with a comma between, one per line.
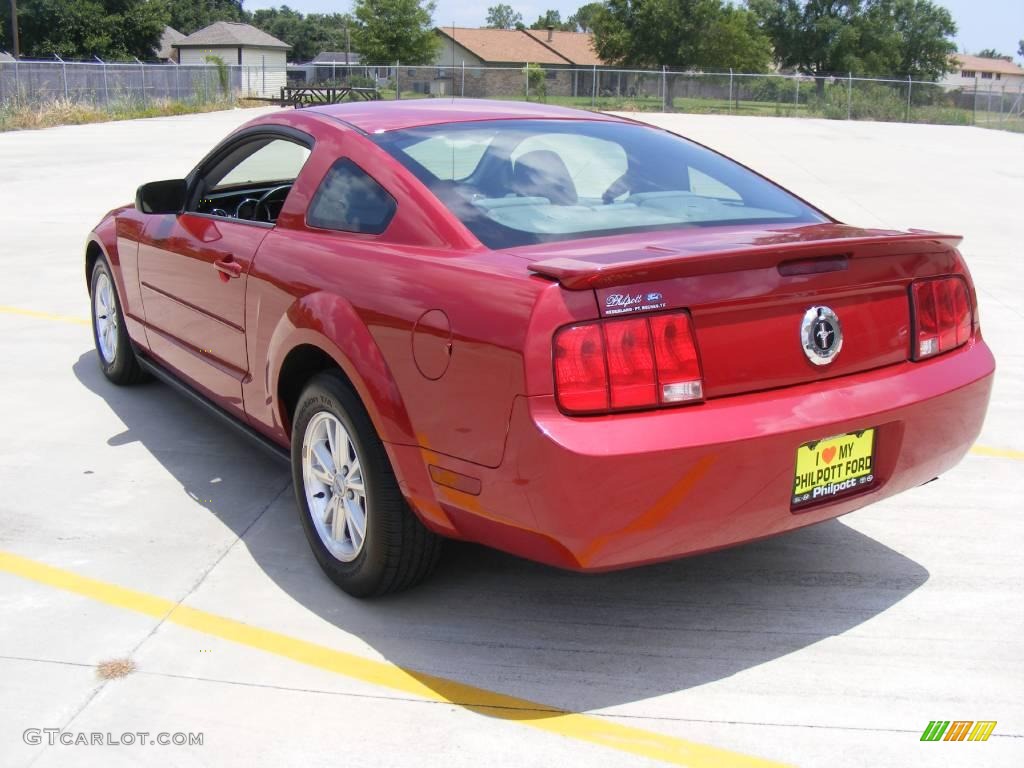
x=361, y=576
x=117, y=369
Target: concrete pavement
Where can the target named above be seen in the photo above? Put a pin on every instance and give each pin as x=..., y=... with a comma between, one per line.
x=832, y=646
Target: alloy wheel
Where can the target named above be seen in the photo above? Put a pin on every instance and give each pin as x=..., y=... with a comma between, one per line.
x=332, y=477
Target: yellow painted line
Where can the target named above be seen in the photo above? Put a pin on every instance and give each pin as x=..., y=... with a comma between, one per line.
x=997, y=453
x=597, y=730
x=43, y=315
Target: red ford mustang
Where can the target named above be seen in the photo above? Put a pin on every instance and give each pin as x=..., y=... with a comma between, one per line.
x=569, y=336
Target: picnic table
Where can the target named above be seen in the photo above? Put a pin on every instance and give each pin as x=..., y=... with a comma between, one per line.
x=311, y=95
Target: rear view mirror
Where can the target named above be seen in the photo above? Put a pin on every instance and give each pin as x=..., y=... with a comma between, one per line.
x=161, y=196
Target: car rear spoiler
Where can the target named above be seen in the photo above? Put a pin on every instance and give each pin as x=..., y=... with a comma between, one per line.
x=604, y=270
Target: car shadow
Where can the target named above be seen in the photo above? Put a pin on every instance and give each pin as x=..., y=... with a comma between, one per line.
x=487, y=619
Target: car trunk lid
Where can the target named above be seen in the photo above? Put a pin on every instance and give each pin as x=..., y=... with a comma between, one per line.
x=749, y=290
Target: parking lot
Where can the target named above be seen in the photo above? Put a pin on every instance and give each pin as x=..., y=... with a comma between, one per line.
x=132, y=526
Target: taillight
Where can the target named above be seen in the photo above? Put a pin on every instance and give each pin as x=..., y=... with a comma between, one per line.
x=627, y=364
x=580, y=368
x=631, y=377
x=675, y=350
x=942, y=315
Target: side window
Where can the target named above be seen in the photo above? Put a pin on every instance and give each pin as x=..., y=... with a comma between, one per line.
x=706, y=186
x=276, y=160
x=251, y=181
x=350, y=201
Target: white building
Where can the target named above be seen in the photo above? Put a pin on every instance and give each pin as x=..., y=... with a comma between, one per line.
x=260, y=58
x=974, y=73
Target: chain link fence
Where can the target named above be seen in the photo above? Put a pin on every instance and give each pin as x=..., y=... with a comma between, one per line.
x=103, y=84
x=990, y=103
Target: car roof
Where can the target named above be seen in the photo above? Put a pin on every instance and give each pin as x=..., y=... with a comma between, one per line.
x=380, y=116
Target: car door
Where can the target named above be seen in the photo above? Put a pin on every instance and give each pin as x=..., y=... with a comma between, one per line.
x=193, y=266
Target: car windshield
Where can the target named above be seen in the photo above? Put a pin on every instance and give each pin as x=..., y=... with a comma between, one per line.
x=519, y=182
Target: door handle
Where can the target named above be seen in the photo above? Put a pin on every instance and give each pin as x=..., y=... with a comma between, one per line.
x=228, y=267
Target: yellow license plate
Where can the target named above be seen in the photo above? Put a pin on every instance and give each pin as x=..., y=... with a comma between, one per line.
x=834, y=466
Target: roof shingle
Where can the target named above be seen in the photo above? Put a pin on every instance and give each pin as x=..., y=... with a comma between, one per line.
x=230, y=33
x=502, y=46
x=169, y=36
x=577, y=47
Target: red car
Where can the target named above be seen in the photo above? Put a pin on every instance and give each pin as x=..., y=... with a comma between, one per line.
x=565, y=335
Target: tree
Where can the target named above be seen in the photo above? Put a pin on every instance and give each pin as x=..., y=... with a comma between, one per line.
x=992, y=53
x=584, y=18
x=552, y=19
x=816, y=37
x=503, y=16
x=189, y=15
x=682, y=34
x=395, y=30
x=920, y=40
x=1020, y=49
x=866, y=37
x=81, y=29
x=308, y=35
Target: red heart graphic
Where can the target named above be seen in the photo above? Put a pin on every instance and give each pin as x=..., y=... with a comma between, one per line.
x=828, y=454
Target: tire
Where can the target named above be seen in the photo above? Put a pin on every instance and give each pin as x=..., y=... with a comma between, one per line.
x=394, y=550
x=109, y=334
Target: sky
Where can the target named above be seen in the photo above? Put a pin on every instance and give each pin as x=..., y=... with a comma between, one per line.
x=995, y=24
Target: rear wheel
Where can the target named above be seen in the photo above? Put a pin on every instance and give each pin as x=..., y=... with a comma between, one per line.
x=113, y=347
x=356, y=520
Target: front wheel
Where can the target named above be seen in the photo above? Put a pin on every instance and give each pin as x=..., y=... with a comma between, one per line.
x=113, y=347
x=356, y=520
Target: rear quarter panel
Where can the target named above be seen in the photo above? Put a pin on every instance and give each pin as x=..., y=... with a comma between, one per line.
x=361, y=302
x=370, y=301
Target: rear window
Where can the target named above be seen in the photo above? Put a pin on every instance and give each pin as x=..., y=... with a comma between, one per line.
x=350, y=201
x=520, y=182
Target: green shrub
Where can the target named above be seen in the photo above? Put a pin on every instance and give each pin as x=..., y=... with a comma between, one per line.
x=536, y=86
x=222, y=73
x=361, y=81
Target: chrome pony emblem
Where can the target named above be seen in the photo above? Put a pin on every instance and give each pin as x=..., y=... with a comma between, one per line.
x=821, y=335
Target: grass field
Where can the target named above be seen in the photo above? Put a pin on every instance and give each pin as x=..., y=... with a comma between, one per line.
x=15, y=118
x=938, y=115
x=864, y=108
x=645, y=104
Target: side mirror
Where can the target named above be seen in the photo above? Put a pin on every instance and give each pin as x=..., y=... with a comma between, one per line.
x=161, y=196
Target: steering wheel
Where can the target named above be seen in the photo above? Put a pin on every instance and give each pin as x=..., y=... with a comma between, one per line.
x=271, y=195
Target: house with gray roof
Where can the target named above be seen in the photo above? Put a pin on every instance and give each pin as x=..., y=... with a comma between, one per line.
x=164, y=51
x=259, y=59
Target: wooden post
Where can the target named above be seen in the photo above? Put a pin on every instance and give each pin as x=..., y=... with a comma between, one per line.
x=15, y=42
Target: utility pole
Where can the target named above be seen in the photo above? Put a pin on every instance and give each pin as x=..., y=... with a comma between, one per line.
x=14, y=29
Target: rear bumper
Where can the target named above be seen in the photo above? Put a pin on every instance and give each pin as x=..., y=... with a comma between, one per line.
x=610, y=492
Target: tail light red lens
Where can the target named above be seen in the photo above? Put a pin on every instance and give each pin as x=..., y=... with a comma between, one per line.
x=942, y=315
x=580, y=368
x=627, y=364
x=631, y=377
